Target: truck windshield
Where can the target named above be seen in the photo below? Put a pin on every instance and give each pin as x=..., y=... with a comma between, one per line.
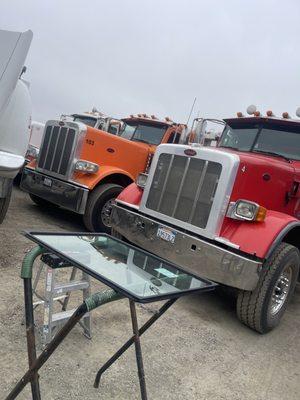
x=90, y=121
x=142, y=132
x=280, y=140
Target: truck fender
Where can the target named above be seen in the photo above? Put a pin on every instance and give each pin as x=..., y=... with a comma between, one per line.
x=92, y=180
x=131, y=195
x=259, y=238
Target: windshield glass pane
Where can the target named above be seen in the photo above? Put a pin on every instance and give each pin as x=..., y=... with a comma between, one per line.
x=275, y=139
x=128, y=131
x=86, y=120
x=238, y=138
x=282, y=142
x=144, y=133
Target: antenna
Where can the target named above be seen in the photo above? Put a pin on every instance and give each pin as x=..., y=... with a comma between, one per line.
x=192, y=108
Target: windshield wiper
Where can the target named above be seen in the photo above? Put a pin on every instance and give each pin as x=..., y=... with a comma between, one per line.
x=139, y=140
x=272, y=153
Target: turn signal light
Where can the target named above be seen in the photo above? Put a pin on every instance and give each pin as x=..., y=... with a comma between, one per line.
x=261, y=214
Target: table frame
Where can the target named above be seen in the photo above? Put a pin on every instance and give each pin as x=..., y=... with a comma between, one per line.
x=96, y=300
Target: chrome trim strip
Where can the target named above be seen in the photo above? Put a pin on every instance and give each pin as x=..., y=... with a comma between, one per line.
x=62, y=153
x=181, y=185
x=201, y=180
x=127, y=204
x=165, y=182
x=48, y=146
x=54, y=152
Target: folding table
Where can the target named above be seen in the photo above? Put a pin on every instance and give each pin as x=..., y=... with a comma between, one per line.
x=128, y=271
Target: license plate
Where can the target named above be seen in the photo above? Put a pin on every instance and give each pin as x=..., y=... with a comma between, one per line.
x=166, y=234
x=47, y=182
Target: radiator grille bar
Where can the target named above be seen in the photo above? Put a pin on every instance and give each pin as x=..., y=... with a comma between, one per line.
x=57, y=149
x=184, y=188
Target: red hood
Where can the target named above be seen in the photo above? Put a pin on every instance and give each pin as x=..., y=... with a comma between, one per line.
x=265, y=180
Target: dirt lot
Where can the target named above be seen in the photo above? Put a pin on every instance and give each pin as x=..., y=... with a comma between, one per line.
x=198, y=350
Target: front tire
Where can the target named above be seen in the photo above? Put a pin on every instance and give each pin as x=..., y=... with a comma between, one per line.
x=263, y=308
x=99, y=205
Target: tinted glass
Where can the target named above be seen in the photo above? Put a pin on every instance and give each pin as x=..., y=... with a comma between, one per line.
x=281, y=139
x=238, y=138
x=282, y=142
x=138, y=273
x=86, y=120
x=144, y=133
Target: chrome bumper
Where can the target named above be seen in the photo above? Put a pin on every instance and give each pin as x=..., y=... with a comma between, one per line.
x=190, y=253
x=64, y=194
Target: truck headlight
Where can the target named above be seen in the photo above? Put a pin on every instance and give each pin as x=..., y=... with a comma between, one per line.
x=86, y=166
x=141, y=180
x=32, y=151
x=247, y=210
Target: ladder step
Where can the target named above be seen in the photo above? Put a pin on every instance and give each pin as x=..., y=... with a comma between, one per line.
x=40, y=302
x=60, y=316
x=70, y=286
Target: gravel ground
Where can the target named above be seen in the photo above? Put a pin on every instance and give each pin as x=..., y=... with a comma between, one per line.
x=197, y=350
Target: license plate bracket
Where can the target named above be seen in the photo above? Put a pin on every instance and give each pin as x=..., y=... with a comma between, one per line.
x=47, y=182
x=166, y=234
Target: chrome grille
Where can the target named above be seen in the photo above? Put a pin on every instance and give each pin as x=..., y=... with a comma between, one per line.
x=183, y=188
x=57, y=149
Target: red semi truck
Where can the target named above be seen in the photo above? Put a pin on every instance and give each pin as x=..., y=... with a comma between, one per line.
x=230, y=213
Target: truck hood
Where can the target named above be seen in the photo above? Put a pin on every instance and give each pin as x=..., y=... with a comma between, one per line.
x=265, y=180
x=14, y=47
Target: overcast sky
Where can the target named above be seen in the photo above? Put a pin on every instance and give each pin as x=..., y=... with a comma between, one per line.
x=155, y=56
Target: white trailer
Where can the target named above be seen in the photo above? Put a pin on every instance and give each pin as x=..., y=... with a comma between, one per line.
x=15, y=110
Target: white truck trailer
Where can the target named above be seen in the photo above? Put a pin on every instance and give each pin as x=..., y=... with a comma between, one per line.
x=15, y=110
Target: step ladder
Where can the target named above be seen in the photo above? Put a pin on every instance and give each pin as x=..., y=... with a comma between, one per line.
x=59, y=292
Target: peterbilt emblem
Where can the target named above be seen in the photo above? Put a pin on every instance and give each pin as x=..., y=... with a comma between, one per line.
x=190, y=152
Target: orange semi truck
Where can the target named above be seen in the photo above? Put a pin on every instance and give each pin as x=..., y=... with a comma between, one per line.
x=84, y=169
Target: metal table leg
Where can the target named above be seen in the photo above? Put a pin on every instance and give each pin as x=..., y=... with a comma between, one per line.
x=137, y=333
x=138, y=350
x=35, y=364
x=31, y=349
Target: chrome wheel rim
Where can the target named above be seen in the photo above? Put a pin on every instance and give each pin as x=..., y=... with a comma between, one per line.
x=281, y=290
x=106, y=212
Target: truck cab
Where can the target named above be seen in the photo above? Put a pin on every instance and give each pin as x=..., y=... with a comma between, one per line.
x=83, y=169
x=229, y=213
x=15, y=110
x=96, y=120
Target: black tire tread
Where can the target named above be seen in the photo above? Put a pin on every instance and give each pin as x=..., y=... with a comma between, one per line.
x=250, y=303
x=91, y=203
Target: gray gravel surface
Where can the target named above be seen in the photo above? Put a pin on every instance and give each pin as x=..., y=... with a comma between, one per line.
x=197, y=350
